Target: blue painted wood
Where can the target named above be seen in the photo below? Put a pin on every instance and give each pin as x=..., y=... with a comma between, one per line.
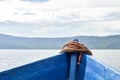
x=90, y=69
x=73, y=66
x=57, y=68
x=54, y=68
x=76, y=40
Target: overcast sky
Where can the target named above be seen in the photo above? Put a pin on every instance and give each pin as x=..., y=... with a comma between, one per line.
x=59, y=18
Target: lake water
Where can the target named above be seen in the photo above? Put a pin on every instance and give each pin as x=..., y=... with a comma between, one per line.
x=13, y=58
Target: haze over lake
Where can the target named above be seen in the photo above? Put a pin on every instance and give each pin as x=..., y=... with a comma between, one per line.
x=17, y=57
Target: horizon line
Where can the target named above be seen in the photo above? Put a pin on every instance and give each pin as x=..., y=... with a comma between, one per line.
x=60, y=36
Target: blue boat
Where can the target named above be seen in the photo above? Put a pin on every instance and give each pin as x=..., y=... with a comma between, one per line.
x=62, y=67
x=58, y=68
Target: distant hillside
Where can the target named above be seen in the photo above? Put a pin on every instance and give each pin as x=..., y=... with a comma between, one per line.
x=93, y=42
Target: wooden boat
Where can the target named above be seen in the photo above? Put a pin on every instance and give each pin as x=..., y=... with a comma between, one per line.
x=60, y=67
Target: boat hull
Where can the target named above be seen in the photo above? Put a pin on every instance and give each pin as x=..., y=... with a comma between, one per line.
x=57, y=68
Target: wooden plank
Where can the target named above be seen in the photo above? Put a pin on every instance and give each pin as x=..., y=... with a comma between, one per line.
x=90, y=69
x=73, y=60
x=53, y=68
x=72, y=73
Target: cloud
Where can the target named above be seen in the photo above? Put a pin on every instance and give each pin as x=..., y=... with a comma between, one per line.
x=113, y=16
x=55, y=17
x=25, y=13
x=56, y=11
x=99, y=28
x=35, y=0
x=60, y=15
x=105, y=3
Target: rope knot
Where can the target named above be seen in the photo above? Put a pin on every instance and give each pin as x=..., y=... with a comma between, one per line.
x=73, y=46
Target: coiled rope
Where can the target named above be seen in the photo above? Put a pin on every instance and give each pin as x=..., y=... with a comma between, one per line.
x=73, y=46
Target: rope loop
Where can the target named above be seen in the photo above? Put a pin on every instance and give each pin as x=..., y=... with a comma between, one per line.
x=73, y=46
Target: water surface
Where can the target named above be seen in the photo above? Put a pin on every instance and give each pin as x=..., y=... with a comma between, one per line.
x=13, y=58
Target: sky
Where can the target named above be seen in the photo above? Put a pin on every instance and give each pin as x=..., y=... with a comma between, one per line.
x=59, y=18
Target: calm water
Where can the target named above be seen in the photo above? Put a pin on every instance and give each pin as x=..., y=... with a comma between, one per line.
x=13, y=58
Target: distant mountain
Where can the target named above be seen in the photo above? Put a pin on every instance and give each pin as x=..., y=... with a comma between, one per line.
x=93, y=42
